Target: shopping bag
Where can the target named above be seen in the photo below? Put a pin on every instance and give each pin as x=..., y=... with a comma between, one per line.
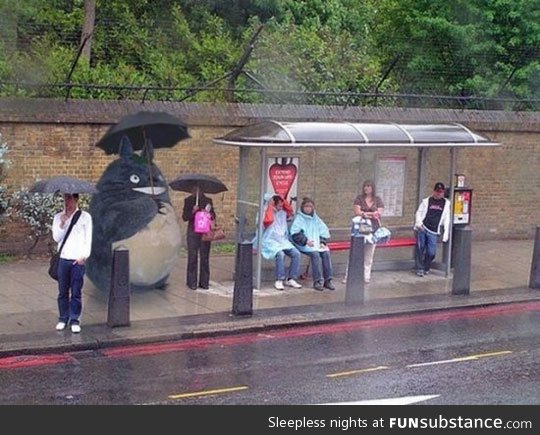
x=382, y=235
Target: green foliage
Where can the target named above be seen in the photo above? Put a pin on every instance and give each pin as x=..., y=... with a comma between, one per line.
x=223, y=248
x=301, y=58
x=487, y=48
x=6, y=258
x=38, y=211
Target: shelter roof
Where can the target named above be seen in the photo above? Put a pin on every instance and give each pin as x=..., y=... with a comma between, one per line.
x=351, y=134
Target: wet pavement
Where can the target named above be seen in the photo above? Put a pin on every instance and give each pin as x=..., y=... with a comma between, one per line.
x=28, y=311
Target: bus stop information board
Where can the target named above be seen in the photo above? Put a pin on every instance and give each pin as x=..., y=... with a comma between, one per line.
x=390, y=183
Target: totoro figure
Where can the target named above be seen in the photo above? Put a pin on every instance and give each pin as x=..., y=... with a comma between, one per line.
x=134, y=212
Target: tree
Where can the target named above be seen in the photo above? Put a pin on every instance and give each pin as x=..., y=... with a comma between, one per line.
x=88, y=29
x=450, y=48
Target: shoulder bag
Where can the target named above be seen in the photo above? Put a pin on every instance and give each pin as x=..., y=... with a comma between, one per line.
x=216, y=233
x=55, y=259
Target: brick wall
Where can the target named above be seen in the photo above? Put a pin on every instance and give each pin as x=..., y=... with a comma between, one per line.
x=52, y=137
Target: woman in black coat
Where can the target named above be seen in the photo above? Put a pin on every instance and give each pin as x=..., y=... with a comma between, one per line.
x=196, y=246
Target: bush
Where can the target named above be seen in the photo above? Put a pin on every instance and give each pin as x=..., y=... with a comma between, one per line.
x=4, y=165
x=38, y=211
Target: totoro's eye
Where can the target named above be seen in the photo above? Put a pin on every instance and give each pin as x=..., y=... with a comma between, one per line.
x=134, y=179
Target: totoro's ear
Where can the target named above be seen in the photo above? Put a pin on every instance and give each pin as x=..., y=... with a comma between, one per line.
x=126, y=149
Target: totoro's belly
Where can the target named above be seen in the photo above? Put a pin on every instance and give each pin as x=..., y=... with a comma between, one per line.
x=154, y=250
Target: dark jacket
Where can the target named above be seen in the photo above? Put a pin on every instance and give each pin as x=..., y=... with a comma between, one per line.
x=188, y=215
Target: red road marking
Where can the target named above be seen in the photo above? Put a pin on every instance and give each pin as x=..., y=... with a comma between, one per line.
x=16, y=362
x=25, y=361
x=302, y=331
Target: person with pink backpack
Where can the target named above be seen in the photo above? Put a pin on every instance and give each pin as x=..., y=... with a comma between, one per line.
x=199, y=214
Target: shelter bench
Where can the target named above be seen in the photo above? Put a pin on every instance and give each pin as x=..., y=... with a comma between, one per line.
x=341, y=245
x=344, y=245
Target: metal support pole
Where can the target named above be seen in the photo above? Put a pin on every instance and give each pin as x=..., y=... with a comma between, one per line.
x=534, y=281
x=354, y=293
x=242, y=194
x=243, y=280
x=447, y=247
x=118, y=309
x=422, y=163
x=260, y=228
x=461, y=283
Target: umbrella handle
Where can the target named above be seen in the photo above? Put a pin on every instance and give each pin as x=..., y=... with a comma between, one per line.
x=197, y=197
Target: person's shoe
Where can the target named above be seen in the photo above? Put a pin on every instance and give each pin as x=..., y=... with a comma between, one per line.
x=426, y=272
x=192, y=287
x=292, y=283
x=279, y=285
x=204, y=287
x=344, y=281
x=329, y=284
x=419, y=273
x=367, y=281
x=318, y=285
x=75, y=328
x=60, y=326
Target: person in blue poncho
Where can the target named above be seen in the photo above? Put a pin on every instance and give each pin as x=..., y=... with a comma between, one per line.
x=310, y=234
x=276, y=244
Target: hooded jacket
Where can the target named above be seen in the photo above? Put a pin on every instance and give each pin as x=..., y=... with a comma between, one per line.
x=309, y=227
x=444, y=222
x=275, y=237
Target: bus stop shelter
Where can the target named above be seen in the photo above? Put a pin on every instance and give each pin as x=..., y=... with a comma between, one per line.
x=290, y=136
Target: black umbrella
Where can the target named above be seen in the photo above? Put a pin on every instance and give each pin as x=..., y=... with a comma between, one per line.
x=62, y=184
x=145, y=130
x=204, y=183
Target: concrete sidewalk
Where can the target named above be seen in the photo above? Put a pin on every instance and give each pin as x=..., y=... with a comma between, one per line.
x=28, y=310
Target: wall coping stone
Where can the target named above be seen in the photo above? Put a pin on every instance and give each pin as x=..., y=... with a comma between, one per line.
x=58, y=111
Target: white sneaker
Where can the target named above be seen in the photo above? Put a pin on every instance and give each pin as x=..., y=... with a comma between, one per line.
x=60, y=326
x=75, y=328
x=292, y=283
x=279, y=285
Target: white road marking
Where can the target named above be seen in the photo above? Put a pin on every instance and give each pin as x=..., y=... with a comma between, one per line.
x=461, y=359
x=356, y=372
x=407, y=400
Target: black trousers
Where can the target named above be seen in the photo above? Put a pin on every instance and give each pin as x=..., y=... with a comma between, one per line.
x=197, y=248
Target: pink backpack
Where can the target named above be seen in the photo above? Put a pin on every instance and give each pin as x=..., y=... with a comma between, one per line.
x=202, y=223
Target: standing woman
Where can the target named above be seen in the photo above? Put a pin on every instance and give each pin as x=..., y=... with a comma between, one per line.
x=368, y=205
x=196, y=246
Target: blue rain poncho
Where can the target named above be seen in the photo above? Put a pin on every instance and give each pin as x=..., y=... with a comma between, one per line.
x=313, y=228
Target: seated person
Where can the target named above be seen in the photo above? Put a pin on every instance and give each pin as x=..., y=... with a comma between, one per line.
x=310, y=234
x=276, y=244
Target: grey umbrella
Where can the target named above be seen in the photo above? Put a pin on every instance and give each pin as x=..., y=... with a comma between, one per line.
x=62, y=184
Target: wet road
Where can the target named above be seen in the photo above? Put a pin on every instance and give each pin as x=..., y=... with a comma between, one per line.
x=473, y=356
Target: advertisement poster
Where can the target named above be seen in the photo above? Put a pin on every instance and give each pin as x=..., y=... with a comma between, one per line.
x=283, y=177
x=390, y=183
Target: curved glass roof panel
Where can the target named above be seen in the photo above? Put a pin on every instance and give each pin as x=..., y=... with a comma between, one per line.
x=433, y=133
x=347, y=134
x=383, y=133
x=261, y=132
x=321, y=132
